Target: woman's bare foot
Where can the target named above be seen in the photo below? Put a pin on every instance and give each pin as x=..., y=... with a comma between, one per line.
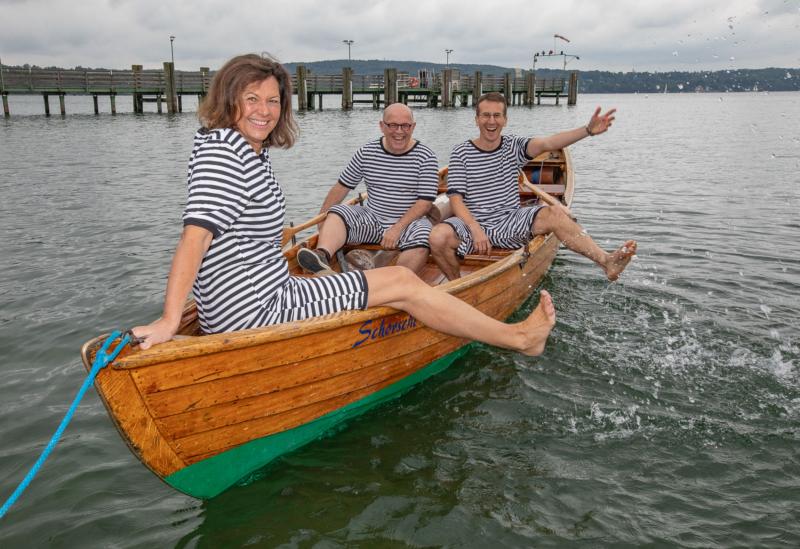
x=538, y=325
x=618, y=260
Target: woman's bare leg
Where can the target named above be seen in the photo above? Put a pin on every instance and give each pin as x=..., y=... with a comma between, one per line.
x=398, y=287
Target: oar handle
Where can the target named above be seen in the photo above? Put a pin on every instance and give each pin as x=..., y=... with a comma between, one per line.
x=546, y=197
x=289, y=232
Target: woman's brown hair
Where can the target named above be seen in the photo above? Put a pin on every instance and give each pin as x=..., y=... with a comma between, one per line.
x=220, y=108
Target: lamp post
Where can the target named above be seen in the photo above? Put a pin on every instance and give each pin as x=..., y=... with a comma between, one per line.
x=447, y=58
x=349, y=43
x=172, y=50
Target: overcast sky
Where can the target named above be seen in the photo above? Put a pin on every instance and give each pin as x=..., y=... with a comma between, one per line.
x=618, y=35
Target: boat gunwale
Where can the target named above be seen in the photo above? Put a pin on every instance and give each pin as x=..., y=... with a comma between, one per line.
x=228, y=341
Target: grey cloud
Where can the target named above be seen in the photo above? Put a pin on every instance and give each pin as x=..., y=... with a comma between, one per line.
x=612, y=36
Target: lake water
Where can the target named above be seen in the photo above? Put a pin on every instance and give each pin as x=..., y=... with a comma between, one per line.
x=664, y=412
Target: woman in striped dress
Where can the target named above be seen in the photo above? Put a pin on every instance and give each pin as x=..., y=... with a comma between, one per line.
x=230, y=254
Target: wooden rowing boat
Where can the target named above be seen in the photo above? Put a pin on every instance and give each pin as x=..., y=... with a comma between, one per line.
x=204, y=411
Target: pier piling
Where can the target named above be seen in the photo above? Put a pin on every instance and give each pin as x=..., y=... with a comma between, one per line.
x=477, y=89
x=138, y=106
x=530, y=87
x=172, y=97
x=302, y=90
x=6, y=111
x=204, y=80
x=389, y=87
x=347, y=88
x=447, y=88
x=572, y=94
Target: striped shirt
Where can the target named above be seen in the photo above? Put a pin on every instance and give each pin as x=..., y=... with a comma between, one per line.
x=487, y=180
x=394, y=181
x=234, y=195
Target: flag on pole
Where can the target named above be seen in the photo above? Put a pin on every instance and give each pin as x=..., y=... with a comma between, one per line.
x=564, y=38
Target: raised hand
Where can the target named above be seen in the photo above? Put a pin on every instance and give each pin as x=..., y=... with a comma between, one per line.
x=600, y=123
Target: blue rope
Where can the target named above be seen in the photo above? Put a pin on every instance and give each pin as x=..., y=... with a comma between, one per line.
x=100, y=361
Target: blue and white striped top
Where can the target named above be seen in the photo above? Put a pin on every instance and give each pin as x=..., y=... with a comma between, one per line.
x=394, y=181
x=487, y=180
x=234, y=195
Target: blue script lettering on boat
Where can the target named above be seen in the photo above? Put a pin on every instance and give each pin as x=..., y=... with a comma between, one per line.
x=384, y=329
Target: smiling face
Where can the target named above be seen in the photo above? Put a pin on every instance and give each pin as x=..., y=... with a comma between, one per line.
x=397, y=127
x=490, y=119
x=258, y=111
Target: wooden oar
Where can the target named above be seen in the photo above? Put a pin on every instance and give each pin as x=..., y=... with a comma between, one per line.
x=289, y=232
x=548, y=198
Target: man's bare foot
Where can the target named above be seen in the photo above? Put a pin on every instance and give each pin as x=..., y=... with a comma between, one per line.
x=538, y=325
x=618, y=260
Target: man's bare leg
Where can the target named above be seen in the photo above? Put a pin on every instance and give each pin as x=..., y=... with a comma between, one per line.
x=398, y=287
x=444, y=243
x=414, y=258
x=332, y=234
x=553, y=219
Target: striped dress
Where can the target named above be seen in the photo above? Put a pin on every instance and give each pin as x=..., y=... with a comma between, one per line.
x=244, y=281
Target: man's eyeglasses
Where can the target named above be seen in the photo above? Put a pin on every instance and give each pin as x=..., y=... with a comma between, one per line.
x=392, y=126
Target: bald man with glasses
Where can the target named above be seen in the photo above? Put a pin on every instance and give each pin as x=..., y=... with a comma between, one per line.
x=401, y=176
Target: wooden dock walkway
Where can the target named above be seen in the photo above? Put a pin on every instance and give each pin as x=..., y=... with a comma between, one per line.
x=447, y=88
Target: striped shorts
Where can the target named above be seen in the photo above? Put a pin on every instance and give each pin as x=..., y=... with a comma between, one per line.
x=301, y=298
x=364, y=227
x=507, y=230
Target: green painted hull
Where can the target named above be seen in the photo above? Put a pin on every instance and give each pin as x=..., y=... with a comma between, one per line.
x=208, y=478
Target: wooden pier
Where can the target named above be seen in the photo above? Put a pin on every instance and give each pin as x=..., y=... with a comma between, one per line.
x=447, y=88
x=144, y=86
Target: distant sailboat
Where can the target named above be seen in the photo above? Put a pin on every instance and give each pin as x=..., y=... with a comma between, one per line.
x=665, y=86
